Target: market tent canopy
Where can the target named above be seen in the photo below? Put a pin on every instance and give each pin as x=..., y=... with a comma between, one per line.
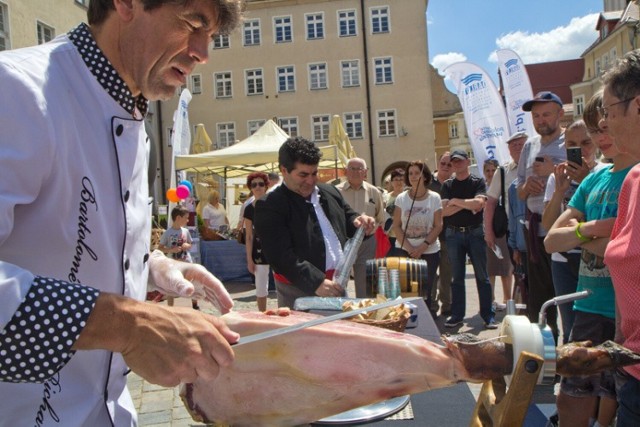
x=259, y=152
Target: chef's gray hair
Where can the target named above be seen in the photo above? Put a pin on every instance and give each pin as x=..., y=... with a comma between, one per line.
x=229, y=11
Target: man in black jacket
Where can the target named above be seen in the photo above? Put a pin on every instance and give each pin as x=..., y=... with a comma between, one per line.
x=303, y=226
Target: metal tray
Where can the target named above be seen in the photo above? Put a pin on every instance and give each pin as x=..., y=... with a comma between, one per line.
x=367, y=413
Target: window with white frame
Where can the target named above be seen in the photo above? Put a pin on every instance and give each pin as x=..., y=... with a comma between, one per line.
x=598, y=69
x=282, y=29
x=453, y=130
x=4, y=27
x=353, y=125
x=347, y=23
x=196, y=84
x=289, y=125
x=286, y=79
x=252, y=32
x=315, y=25
x=387, y=123
x=254, y=125
x=350, y=73
x=226, y=134
x=578, y=104
x=45, y=32
x=254, y=81
x=318, y=76
x=384, y=70
x=613, y=53
x=221, y=41
x=380, y=19
x=320, y=127
x=222, y=83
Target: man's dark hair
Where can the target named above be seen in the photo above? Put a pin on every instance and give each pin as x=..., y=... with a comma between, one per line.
x=178, y=211
x=426, y=172
x=623, y=79
x=229, y=11
x=299, y=150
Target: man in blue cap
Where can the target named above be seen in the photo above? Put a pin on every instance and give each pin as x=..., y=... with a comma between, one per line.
x=539, y=156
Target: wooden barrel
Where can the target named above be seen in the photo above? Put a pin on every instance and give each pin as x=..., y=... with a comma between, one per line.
x=411, y=270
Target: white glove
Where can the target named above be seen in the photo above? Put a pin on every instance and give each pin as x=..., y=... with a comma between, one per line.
x=184, y=279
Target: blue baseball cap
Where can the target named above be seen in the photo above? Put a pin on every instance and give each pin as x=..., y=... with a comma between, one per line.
x=545, y=96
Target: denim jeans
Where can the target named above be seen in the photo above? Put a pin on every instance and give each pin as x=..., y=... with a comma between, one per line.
x=628, y=389
x=459, y=245
x=565, y=281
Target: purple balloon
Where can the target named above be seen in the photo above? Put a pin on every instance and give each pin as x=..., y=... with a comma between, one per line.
x=182, y=191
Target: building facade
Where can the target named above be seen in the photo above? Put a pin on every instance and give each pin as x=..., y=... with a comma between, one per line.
x=30, y=22
x=303, y=61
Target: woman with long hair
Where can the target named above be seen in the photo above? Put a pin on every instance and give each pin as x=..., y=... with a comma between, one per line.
x=397, y=187
x=257, y=183
x=417, y=222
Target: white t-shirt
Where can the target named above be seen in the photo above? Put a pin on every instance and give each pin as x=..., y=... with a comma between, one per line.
x=214, y=217
x=421, y=221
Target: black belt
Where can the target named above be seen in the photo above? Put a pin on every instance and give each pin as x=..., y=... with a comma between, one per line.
x=464, y=229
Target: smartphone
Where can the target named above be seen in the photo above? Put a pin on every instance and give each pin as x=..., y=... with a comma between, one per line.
x=574, y=154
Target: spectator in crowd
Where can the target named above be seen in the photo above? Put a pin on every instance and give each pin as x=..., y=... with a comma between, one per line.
x=561, y=186
x=397, y=187
x=366, y=199
x=587, y=223
x=76, y=223
x=621, y=119
x=510, y=169
x=441, y=291
x=539, y=156
x=274, y=180
x=497, y=266
x=417, y=221
x=257, y=182
x=463, y=199
x=176, y=241
x=303, y=225
x=214, y=213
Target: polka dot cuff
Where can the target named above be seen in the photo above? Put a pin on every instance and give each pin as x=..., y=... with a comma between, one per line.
x=36, y=343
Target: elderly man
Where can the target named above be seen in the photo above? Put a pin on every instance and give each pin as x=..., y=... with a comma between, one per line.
x=442, y=292
x=303, y=225
x=621, y=117
x=366, y=199
x=510, y=170
x=75, y=229
x=539, y=156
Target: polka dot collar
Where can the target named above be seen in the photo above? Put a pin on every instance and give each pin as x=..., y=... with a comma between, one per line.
x=102, y=69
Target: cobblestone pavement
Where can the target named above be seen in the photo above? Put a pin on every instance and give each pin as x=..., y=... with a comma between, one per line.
x=162, y=407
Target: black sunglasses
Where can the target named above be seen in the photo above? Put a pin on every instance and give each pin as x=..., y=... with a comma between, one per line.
x=257, y=184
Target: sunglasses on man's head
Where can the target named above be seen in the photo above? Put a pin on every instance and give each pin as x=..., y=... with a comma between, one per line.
x=257, y=184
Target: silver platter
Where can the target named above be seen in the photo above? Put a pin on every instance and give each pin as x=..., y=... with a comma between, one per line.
x=373, y=412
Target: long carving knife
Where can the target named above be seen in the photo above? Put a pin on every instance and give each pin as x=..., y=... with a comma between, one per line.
x=319, y=321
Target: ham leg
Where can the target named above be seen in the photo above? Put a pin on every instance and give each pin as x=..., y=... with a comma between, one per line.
x=304, y=376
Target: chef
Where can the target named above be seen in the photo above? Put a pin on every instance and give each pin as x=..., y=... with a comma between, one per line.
x=75, y=218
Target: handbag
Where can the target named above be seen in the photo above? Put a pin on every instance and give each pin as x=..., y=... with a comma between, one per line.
x=241, y=236
x=500, y=220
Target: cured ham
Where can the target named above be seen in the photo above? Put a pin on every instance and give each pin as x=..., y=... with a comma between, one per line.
x=310, y=374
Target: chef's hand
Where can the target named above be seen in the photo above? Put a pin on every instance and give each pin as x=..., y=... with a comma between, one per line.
x=369, y=223
x=329, y=288
x=184, y=279
x=164, y=345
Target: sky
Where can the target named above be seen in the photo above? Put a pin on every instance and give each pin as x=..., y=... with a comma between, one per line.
x=538, y=31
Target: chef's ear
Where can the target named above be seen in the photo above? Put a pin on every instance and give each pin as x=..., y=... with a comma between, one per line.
x=126, y=8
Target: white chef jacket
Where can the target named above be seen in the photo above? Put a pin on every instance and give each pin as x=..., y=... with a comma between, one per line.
x=74, y=206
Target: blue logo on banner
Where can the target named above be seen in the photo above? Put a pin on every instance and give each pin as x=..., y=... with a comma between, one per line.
x=473, y=82
x=511, y=66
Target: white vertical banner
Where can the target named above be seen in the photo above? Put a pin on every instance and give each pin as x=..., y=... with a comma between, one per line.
x=180, y=139
x=483, y=110
x=517, y=91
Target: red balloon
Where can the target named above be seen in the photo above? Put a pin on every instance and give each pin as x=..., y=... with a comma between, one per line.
x=172, y=196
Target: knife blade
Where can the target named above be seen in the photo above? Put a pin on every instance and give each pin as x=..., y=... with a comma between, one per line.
x=303, y=325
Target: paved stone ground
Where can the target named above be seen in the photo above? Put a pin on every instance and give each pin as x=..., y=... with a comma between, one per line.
x=162, y=407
